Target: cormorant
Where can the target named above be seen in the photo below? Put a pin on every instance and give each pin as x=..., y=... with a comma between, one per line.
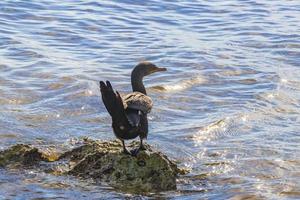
x=129, y=113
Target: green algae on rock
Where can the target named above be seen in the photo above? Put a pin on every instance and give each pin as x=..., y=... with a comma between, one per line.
x=147, y=172
x=20, y=154
x=104, y=161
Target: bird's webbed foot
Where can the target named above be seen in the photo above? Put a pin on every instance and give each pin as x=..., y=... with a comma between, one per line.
x=134, y=152
x=125, y=151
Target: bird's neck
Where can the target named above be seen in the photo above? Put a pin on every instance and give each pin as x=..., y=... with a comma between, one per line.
x=137, y=83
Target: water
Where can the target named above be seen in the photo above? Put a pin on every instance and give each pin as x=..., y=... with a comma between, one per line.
x=227, y=108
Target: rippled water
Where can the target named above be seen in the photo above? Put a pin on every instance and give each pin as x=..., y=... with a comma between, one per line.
x=227, y=108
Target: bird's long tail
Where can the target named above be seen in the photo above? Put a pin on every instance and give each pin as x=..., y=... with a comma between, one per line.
x=113, y=103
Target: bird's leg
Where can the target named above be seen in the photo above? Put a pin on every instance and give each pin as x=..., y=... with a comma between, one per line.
x=142, y=147
x=124, y=148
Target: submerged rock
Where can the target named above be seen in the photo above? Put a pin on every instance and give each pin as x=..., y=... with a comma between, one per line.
x=103, y=161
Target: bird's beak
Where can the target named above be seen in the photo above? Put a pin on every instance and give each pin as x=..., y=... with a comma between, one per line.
x=160, y=69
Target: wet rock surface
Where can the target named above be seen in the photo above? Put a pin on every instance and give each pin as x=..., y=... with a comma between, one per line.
x=103, y=161
x=20, y=155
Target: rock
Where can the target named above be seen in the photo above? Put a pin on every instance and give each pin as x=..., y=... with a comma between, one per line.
x=20, y=154
x=104, y=161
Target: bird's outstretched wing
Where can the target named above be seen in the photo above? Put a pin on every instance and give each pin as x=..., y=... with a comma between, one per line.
x=138, y=101
x=113, y=103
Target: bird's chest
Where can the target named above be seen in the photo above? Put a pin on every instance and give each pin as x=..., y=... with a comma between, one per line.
x=126, y=132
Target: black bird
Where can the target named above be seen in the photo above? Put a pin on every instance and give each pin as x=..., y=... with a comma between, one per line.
x=129, y=113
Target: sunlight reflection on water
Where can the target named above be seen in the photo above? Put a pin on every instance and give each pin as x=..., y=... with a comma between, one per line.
x=227, y=108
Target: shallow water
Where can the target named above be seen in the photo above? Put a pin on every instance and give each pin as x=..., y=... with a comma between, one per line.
x=227, y=108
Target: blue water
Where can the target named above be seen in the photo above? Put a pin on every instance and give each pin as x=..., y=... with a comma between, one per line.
x=227, y=108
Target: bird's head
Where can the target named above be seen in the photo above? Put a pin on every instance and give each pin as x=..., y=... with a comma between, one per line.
x=146, y=68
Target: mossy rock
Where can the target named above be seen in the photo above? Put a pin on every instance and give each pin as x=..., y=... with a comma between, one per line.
x=103, y=161
x=149, y=171
x=20, y=154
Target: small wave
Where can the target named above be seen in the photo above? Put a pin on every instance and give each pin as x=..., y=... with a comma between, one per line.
x=181, y=85
x=21, y=100
x=229, y=126
x=211, y=131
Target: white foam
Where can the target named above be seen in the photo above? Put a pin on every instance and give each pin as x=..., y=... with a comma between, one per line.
x=184, y=84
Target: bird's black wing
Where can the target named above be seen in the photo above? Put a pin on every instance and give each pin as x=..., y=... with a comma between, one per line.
x=113, y=103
